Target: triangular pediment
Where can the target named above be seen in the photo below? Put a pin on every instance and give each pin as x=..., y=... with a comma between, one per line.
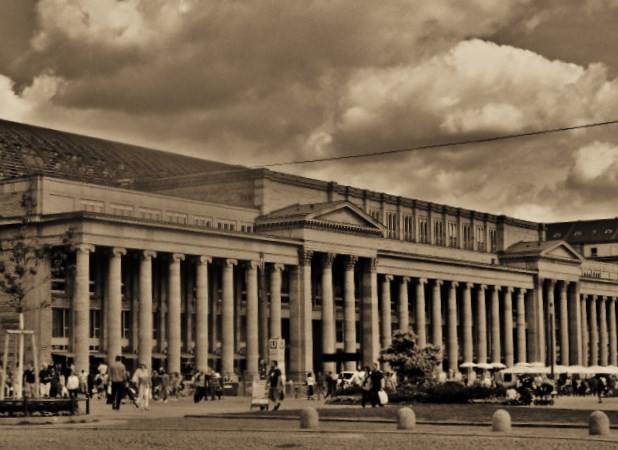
x=535, y=250
x=562, y=251
x=346, y=216
x=340, y=216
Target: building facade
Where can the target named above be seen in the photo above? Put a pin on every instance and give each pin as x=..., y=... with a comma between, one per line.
x=180, y=262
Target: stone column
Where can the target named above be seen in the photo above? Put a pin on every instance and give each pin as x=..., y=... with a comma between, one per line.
x=387, y=326
x=369, y=321
x=496, y=348
x=275, y=301
x=452, y=328
x=613, y=356
x=328, y=312
x=481, y=325
x=521, y=325
x=349, y=310
x=145, y=309
x=508, y=327
x=301, y=336
x=551, y=320
x=201, y=312
x=174, y=340
x=564, y=325
x=436, y=313
x=81, y=307
x=114, y=309
x=252, y=321
x=404, y=313
x=227, y=317
x=594, y=332
x=537, y=332
x=421, y=328
x=575, y=325
x=585, y=334
x=467, y=323
x=603, y=343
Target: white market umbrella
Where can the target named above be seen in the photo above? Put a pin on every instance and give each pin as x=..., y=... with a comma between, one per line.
x=498, y=366
x=576, y=369
x=467, y=365
x=484, y=366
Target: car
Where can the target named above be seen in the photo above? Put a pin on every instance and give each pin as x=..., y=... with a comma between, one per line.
x=346, y=378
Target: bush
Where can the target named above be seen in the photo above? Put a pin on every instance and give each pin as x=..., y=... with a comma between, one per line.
x=449, y=392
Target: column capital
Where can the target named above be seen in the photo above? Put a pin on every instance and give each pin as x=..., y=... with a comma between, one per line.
x=405, y=280
x=454, y=284
x=468, y=285
x=202, y=259
x=229, y=263
x=482, y=287
x=277, y=267
x=147, y=255
x=304, y=257
x=563, y=285
x=253, y=264
x=83, y=248
x=551, y=283
x=350, y=261
x=373, y=265
x=421, y=281
x=118, y=251
x=328, y=259
x=522, y=291
x=509, y=290
x=388, y=278
x=177, y=257
x=438, y=283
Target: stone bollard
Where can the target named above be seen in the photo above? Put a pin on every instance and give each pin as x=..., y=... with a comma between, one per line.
x=501, y=421
x=406, y=419
x=598, y=424
x=309, y=418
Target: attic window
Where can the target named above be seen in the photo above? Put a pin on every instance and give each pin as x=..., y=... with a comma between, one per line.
x=609, y=231
x=577, y=233
x=557, y=235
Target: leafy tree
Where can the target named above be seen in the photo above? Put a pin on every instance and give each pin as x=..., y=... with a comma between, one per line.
x=411, y=362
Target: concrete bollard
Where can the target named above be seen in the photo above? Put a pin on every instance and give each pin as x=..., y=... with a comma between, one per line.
x=309, y=418
x=501, y=421
x=406, y=419
x=598, y=424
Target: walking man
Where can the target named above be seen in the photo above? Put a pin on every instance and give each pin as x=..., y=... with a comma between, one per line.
x=275, y=384
x=118, y=378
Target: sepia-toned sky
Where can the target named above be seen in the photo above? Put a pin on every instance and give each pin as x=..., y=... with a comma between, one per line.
x=259, y=82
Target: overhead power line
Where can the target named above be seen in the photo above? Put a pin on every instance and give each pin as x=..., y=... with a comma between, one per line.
x=441, y=145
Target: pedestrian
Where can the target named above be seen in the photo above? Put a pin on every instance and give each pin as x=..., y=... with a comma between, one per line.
x=29, y=382
x=320, y=386
x=44, y=381
x=331, y=385
x=217, y=386
x=377, y=384
x=165, y=385
x=143, y=381
x=83, y=383
x=118, y=378
x=73, y=385
x=310, y=382
x=275, y=384
x=366, y=387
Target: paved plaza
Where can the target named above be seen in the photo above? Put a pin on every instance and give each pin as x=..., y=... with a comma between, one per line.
x=227, y=424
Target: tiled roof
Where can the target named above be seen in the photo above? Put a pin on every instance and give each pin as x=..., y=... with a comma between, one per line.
x=28, y=150
x=585, y=231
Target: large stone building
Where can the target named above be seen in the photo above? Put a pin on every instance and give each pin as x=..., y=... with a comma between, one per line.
x=178, y=261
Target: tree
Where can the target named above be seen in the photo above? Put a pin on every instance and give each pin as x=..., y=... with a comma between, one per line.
x=22, y=254
x=411, y=362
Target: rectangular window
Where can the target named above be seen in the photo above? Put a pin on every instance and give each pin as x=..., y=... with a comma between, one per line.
x=126, y=324
x=452, y=234
x=423, y=231
x=493, y=240
x=60, y=322
x=203, y=222
x=480, y=238
x=466, y=231
x=150, y=214
x=121, y=210
x=391, y=224
x=408, y=231
x=95, y=323
x=375, y=215
x=438, y=232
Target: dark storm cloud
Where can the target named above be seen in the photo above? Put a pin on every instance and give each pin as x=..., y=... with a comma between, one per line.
x=272, y=81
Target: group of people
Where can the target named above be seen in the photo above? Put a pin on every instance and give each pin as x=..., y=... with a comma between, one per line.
x=207, y=383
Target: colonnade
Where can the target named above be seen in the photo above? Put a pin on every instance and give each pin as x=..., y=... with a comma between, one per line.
x=471, y=322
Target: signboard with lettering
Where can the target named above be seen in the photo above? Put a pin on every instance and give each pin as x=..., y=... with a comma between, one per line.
x=276, y=352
